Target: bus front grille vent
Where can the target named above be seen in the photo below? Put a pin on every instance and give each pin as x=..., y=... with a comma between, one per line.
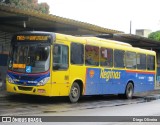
x=25, y=88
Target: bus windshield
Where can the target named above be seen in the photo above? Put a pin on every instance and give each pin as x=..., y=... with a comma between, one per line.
x=29, y=58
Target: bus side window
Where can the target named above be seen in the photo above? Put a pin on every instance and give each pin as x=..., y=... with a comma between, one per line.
x=119, y=57
x=77, y=53
x=131, y=62
x=141, y=61
x=150, y=62
x=60, y=57
x=106, y=58
x=91, y=55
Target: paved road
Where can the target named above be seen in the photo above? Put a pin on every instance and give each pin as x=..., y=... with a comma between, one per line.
x=26, y=105
x=14, y=104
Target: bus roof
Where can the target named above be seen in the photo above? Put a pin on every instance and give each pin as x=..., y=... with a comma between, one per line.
x=107, y=40
x=94, y=40
x=103, y=42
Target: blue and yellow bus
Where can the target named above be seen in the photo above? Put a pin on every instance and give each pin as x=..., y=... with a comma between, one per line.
x=53, y=64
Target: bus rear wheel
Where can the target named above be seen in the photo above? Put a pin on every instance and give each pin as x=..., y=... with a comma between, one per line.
x=74, y=93
x=129, y=91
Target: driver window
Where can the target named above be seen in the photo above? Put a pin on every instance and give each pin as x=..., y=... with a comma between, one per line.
x=60, y=57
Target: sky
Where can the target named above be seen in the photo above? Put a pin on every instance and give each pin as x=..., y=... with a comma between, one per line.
x=112, y=14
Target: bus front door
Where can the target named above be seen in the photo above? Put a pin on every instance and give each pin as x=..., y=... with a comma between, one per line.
x=60, y=72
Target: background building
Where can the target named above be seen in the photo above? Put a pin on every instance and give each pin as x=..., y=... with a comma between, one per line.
x=143, y=32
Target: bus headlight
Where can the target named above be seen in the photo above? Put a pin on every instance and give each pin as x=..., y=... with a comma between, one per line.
x=43, y=81
x=10, y=80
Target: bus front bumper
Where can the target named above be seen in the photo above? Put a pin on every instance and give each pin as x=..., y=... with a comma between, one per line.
x=32, y=90
x=45, y=90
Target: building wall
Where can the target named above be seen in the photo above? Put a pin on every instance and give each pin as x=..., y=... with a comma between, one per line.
x=5, y=38
x=143, y=32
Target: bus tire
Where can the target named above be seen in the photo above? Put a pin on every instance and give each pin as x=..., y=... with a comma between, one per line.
x=74, y=93
x=129, y=91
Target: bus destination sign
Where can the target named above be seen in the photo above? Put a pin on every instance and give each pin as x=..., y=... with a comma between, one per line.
x=32, y=38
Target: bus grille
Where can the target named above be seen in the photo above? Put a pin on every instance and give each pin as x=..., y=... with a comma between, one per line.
x=25, y=88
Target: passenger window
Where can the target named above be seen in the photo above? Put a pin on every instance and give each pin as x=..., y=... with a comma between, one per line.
x=141, y=61
x=131, y=61
x=91, y=55
x=150, y=62
x=106, y=58
x=60, y=57
x=77, y=53
x=119, y=58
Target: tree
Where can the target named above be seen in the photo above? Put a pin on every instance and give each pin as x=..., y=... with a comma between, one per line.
x=44, y=8
x=28, y=4
x=155, y=35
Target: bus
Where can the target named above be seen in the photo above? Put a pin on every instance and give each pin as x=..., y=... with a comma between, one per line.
x=54, y=64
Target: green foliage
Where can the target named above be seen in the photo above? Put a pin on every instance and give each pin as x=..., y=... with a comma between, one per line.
x=44, y=7
x=29, y=4
x=155, y=35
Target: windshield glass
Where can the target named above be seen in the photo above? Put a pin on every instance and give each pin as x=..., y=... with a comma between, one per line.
x=29, y=58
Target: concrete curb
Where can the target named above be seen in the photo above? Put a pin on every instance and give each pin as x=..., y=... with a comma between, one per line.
x=152, y=97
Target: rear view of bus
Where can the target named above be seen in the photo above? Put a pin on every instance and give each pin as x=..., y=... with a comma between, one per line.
x=29, y=63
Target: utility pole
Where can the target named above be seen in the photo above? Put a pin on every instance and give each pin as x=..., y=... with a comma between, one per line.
x=130, y=27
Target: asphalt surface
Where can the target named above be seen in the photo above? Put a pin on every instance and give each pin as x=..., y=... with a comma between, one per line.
x=151, y=95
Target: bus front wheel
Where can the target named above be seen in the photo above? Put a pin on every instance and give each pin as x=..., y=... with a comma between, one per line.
x=129, y=91
x=74, y=93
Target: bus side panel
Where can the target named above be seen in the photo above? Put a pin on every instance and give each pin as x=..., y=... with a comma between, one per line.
x=150, y=82
x=143, y=81
x=77, y=73
x=104, y=81
x=107, y=81
x=92, y=81
x=60, y=83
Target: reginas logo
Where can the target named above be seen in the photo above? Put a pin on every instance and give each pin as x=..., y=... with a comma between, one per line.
x=110, y=74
